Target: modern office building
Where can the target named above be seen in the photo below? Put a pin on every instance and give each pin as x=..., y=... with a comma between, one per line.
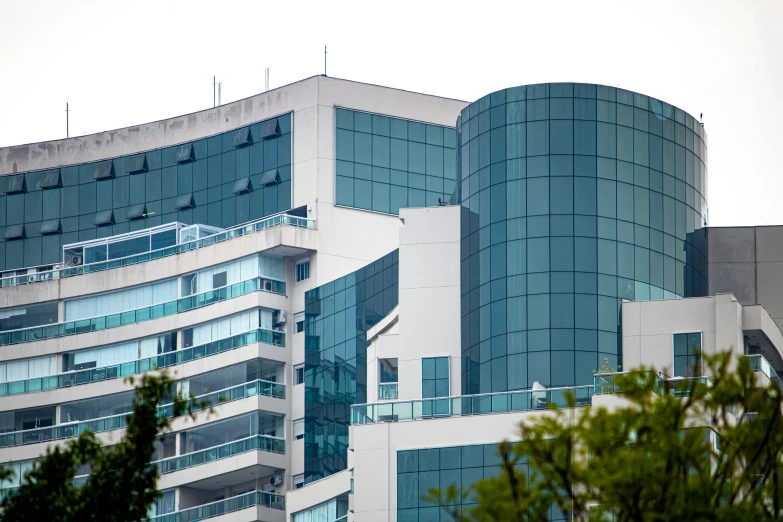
x=372, y=286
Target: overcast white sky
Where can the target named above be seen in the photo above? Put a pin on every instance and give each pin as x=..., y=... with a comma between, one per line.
x=125, y=63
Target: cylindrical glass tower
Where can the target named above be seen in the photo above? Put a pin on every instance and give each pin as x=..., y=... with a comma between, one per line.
x=574, y=197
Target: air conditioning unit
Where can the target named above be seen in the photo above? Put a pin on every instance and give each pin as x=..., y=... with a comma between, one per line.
x=280, y=317
x=266, y=284
x=69, y=432
x=74, y=261
x=276, y=480
x=31, y=279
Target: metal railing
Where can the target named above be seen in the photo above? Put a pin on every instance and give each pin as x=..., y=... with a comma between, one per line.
x=268, y=222
x=387, y=391
x=504, y=402
x=213, y=509
x=223, y=451
x=117, y=371
x=611, y=383
x=759, y=363
x=183, y=304
x=115, y=422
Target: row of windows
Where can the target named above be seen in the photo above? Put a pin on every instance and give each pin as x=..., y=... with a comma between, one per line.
x=224, y=180
x=582, y=91
x=379, y=151
x=258, y=151
x=419, y=471
x=397, y=128
x=586, y=141
x=160, y=195
x=566, y=255
x=581, y=115
x=386, y=198
x=583, y=230
x=581, y=167
x=549, y=366
x=385, y=163
x=582, y=196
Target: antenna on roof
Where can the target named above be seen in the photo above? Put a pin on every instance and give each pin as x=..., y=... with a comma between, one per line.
x=67, y=121
x=325, y=61
x=214, y=86
x=220, y=93
x=266, y=79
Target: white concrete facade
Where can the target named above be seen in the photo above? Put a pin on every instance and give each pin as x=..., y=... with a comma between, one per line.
x=648, y=329
x=426, y=322
x=339, y=241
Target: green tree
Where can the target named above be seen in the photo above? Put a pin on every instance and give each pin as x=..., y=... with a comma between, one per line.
x=667, y=450
x=122, y=482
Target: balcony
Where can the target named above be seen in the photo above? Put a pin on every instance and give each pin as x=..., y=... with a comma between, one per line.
x=224, y=451
x=506, y=402
x=221, y=507
x=118, y=371
x=611, y=383
x=758, y=363
x=262, y=224
x=177, y=306
x=115, y=422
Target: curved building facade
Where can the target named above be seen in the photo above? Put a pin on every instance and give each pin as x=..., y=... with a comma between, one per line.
x=574, y=197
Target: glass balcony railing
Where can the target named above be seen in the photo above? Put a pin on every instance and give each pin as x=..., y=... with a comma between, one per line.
x=115, y=422
x=526, y=400
x=610, y=383
x=214, y=509
x=180, y=305
x=387, y=391
x=268, y=222
x=117, y=371
x=759, y=363
x=257, y=442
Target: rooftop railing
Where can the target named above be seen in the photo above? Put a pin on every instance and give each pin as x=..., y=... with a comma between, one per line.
x=612, y=382
x=504, y=402
x=117, y=371
x=214, y=509
x=115, y=422
x=183, y=304
x=262, y=224
x=223, y=451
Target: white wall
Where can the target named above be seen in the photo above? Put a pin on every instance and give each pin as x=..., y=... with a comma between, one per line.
x=345, y=239
x=648, y=327
x=375, y=448
x=429, y=301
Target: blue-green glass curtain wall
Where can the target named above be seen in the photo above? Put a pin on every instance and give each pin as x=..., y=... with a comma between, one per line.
x=421, y=470
x=337, y=318
x=152, y=185
x=573, y=198
x=384, y=163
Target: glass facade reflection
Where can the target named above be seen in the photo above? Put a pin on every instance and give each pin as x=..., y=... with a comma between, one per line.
x=337, y=318
x=420, y=470
x=573, y=198
x=223, y=180
x=385, y=163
